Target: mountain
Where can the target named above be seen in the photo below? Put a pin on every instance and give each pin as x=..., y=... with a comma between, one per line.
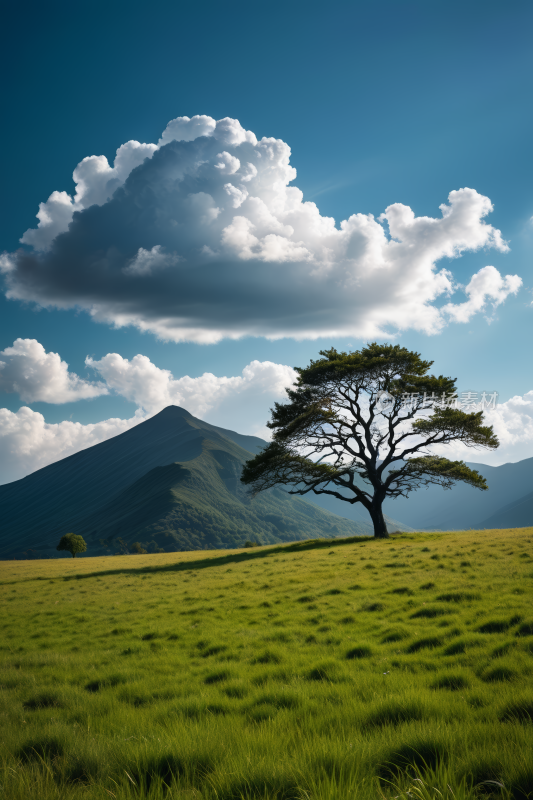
x=170, y=483
x=508, y=503
x=518, y=514
x=464, y=507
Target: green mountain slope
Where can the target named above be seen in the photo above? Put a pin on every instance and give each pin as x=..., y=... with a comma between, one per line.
x=201, y=503
x=172, y=481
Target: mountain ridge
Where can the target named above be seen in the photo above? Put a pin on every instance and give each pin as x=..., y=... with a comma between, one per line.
x=433, y=508
x=170, y=465
x=517, y=514
x=138, y=483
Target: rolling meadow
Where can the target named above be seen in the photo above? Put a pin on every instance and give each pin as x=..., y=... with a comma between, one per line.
x=318, y=670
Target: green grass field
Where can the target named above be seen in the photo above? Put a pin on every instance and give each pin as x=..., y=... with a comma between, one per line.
x=314, y=671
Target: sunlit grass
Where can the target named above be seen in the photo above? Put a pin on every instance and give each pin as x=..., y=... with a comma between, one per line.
x=345, y=669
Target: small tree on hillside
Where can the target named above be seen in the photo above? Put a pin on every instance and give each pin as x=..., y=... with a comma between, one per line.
x=373, y=418
x=73, y=543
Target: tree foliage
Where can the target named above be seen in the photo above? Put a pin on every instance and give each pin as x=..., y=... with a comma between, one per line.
x=347, y=430
x=73, y=543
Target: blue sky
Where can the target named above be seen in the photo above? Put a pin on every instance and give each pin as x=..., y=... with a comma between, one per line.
x=380, y=103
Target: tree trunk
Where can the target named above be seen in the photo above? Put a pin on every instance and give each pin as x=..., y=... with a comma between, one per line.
x=380, y=528
x=73, y=555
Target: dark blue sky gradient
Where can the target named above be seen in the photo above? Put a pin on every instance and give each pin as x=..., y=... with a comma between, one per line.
x=381, y=102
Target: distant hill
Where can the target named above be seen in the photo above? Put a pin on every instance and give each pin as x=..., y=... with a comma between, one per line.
x=463, y=507
x=508, y=503
x=170, y=483
x=518, y=514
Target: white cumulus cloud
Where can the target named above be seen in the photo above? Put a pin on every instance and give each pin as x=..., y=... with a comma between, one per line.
x=487, y=286
x=202, y=236
x=35, y=375
x=28, y=442
x=513, y=425
x=95, y=182
x=152, y=388
x=146, y=261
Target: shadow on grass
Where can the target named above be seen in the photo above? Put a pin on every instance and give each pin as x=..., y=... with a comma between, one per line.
x=43, y=701
x=43, y=748
x=219, y=561
x=420, y=755
x=164, y=770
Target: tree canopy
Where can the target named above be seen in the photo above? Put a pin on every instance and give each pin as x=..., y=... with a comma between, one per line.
x=363, y=426
x=73, y=543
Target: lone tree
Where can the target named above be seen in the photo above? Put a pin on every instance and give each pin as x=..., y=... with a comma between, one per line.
x=73, y=543
x=137, y=548
x=372, y=417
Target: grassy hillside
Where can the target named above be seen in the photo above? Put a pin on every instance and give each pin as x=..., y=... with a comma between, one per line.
x=314, y=671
